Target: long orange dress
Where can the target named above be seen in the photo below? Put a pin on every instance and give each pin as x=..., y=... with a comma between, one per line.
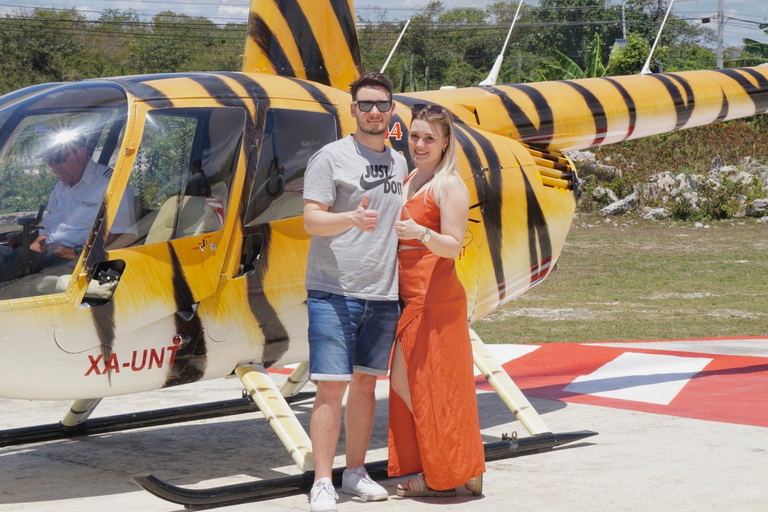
x=442, y=436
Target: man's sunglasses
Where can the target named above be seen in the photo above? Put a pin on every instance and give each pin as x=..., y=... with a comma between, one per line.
x=367, y=106
x=59, y=157
x=431, y=109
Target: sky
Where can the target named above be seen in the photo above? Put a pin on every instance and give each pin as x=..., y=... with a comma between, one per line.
x=742, y=17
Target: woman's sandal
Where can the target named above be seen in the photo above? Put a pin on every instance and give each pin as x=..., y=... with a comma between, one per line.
x=417, y=487
x=475, y=485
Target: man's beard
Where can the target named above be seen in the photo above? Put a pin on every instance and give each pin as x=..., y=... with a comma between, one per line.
x=365, y=128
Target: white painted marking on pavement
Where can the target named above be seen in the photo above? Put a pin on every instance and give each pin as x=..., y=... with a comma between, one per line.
x=650, y=378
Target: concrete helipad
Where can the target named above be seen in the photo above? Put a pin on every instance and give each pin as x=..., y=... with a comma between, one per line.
x=682, y=428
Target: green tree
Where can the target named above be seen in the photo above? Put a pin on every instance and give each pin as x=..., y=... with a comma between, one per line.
x=569, y=27
x=112, y=44
x=170, y=47
x=566, y=68
x=753, y=54
x=39, y=46
x=630, y=59
x=523, y=57
x=177, y=42
x=689, y=57
x=688, y=47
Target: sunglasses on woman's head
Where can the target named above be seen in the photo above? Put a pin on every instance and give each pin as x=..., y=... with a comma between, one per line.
x=432, y=109
x=367, y=106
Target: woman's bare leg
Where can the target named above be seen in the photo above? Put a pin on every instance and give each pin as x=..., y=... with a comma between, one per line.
x=399, y=378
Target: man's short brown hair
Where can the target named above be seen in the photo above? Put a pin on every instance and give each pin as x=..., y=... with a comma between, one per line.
x=371, y=79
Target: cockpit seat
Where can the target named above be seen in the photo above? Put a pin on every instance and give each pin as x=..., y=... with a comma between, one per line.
x=196, y=216
x=52, y=280
x=35, y=285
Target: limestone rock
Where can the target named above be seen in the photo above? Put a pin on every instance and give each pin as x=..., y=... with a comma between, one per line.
x=758, y=208
x=621, y=207
x=657, y=214
x=604, y=195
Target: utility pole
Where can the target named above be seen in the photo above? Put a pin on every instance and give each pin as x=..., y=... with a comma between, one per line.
x=623, y=21
x=720, y=22
x=623, y=18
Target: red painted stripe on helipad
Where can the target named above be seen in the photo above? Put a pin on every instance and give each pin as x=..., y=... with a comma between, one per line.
x=730, y=389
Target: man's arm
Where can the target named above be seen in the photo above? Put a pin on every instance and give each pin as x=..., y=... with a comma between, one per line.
x=319, y=194
x=319, y=221
x=38, y=244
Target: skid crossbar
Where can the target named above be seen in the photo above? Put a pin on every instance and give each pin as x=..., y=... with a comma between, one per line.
x=287, y=486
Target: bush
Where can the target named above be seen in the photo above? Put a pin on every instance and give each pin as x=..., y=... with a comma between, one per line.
x=722, y=201
x=621, y=186
x=587, y=203
x=682, y=209
x=689, y=152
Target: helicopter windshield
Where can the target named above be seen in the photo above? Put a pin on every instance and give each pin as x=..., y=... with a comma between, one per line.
x=57, y=149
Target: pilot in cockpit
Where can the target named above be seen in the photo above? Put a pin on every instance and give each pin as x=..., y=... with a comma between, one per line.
x=72, y=208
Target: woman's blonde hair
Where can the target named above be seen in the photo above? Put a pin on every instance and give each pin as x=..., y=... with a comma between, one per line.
x=438, y=116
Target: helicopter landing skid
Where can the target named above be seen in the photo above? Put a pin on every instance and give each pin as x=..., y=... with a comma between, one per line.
x=261, y=490
x=53, y=431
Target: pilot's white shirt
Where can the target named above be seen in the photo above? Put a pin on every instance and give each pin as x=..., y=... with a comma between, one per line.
x=72, y=210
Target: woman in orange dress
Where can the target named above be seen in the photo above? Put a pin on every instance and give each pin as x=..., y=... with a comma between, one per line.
x=433, y=423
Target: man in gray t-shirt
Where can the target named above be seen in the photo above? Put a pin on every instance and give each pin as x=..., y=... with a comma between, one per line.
x=353, y=195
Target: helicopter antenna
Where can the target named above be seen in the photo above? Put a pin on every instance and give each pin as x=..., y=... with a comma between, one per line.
x=395, y=47
x=647, y=67
x=494, y=74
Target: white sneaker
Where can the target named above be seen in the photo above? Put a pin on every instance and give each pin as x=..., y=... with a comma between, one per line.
x=322, y=497
x=357, y=482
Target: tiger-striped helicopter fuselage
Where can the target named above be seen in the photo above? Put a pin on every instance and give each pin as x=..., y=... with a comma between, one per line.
x=207, y=278
x=206, y=282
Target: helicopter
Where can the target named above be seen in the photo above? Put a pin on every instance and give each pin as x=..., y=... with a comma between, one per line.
x=206, y=281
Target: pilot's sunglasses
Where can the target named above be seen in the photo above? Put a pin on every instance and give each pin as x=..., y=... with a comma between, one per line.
x=432, y=109
x=367, y=106
x=59, y=157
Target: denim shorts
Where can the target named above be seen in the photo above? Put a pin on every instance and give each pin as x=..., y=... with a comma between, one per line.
x=348, y=334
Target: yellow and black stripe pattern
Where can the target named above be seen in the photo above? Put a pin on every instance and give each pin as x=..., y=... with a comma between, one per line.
x=577, y=114
x=511, y=141
x=527, y=223
x=314, y=40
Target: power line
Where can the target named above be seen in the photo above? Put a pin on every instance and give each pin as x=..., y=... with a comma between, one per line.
x=27, y=7
x=146, y=29
x=160, y=24
x=91, y=26
x=245, y=5
x=158, y=2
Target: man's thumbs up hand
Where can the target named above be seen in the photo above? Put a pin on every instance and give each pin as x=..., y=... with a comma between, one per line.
x=364, y=219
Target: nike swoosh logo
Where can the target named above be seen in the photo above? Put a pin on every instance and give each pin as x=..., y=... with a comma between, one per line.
x=370, y=185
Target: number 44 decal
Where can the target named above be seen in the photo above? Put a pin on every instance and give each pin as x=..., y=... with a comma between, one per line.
x=395, y=131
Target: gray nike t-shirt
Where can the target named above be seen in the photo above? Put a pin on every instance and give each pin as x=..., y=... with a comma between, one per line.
x=360, y=264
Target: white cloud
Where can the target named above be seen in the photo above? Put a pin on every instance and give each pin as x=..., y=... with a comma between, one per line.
x=231, y=9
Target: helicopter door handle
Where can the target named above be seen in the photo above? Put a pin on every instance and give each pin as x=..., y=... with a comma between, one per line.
x=185, y=315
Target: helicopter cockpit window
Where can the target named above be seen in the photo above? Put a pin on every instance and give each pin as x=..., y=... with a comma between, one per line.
x=291, y=137
x=56, y=152
x=181, y=175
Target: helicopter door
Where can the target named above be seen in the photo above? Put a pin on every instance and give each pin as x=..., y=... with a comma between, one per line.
x=179, y=187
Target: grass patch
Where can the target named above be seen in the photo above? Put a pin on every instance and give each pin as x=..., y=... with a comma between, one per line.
x=643, y=280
